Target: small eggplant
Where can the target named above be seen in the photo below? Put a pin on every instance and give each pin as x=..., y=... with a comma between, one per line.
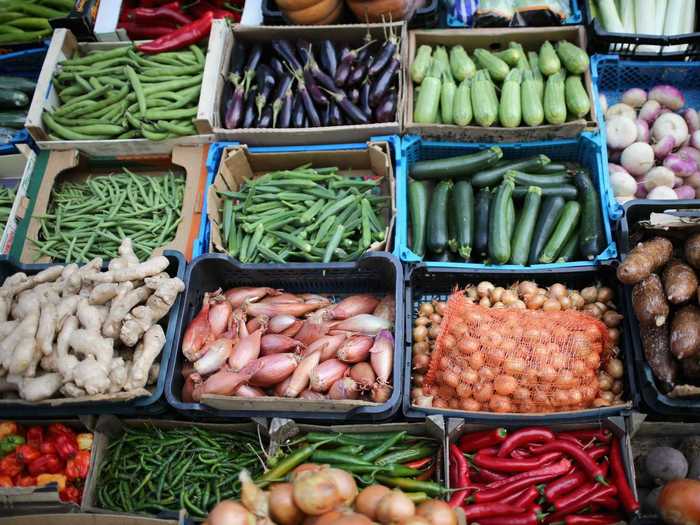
x=266, y=118
x=326, y=115
x=283, y=85
x=357, y=75
x=354, y=96
x=364, y=99
x=238, y=58
x=309, y=108
x=234, y=111
x=298, y=112
x=342, y=71
x=249, y=116
x=303, y=49
x=277, y=67
x=284, y=49
x=383, y=81
x=327, y=56
x=386, y=110
x=320, y=76
x=335, y=119
x=265, y=80
x=382, y=57
x=285, y=117
x=351, y=110
x=254, y=57
x=313, y=89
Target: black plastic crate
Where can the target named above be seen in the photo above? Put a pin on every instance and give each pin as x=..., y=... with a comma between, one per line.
x=627, y=46
x=426, y=17
x=374, y=272
x=656, y=401
x=425, y=283
x=151, y=405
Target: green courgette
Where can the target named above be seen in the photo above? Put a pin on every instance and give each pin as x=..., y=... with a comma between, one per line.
x=577, y=101
x=552, y=167
x=592, y=236
x=463, y=210
x=436, y=240
x=549, y=214
x=509, y=109
x=492, y=176
x=565, y=227
x=484, y=99
x=496, y=67
x=18, y=83
x=522, y=238
x=12, y=119
x=574, y=58
x=570, y=250
x=456, y=167
x=447, y=98
x=451, y=222
x=481, y=219
x=462, y=112
x=13, y=99
x=555, y=99
x=566, y=190
x=548, y=60
x=421, y=63
x=543, y=181
x=499, y=238
x=511, y=217
x=418, y=205
x=461, y=65
x=531, y=100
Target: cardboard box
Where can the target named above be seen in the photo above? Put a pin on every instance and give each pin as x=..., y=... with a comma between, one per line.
x=494, y=39
x=85, y=519
x=238, y=164
x=64, y=45
x=15, y=172
x=106, y=22
x=71, y=165
x=216, y=70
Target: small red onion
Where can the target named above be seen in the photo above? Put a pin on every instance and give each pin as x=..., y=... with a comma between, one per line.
x=327, y=373
x=344, y=388
x=364, y=375
x=328, y=344
x=355, y=349
x=681, y=167
x=382, y=355
x=354, y=305
x=695, y=139
x=364, y=323
x=664, y=147
x=381, y=393
x=218, y=317
x=650, y=111
x=280, y=323
x=642, y=130
x=311, y=395
x=283, y=298
x=249, y=391
x=692, y=119
x=246, y=351
x=238, y=296
x=274, y=369
x=299, y=380
x=278, y=343
x=386, y=309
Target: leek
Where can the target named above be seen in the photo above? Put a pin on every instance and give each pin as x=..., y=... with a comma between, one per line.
x=627, y=16
x=676, y=13
x=661, y=9
x=645, y=13
x=609, y=17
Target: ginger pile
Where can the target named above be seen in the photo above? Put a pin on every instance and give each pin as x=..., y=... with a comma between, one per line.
x=83, y=332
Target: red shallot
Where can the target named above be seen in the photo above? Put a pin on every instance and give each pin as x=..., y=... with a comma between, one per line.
x=274, y=369
x=293, y=329
x=280, y=388
x=355, y=349
x=278, y=343
x=311, y=395
x=225, y=381
x=382, y=355
x=282, y=298
x=381, y=393
x=364, y=375
x=280, y=323
x=344, y=388
x=299, y=380
x=386, y=309
x=215, y=355
x=327, y=373
x=328, y=344
x=364, y=323
x=246, y=351
x=197, y=332
x=354, y=305
x=313, y=328
x=257, y=322
x=249, y=391
x=295, y=309
x=219, y=314
x=238, y=296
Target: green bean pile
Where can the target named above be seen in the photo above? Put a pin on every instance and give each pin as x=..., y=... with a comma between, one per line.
x=123, y=94
x=303, y=214
x=7, y=197
x=26, y=21
x=153, y=470
x=89, y=219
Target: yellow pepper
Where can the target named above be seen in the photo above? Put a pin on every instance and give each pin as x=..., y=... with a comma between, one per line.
x=7, y=428
x=85, y=441
x=45, y=479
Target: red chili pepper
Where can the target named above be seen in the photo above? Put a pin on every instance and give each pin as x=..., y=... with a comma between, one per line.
x=202, y=6
x=525, y=436
x=27, y=453
x=56, y=429
x=619, y=478
x=520, y=453
x=140, y=32
x=427, y=475
x=514, y=465
x=582, y=496
x=572, y=439
x=608, y=503
x=35, y=436
x=152, y=3
x=167, y=14
x=523, y=475
x=527, y=498
x=478, y=440
x=26, y=481
x=78, y=467
x=461, y=476
x=544, y=474
x=598, y=452
x=528, y=518
x=604, y=467
x=184, y=36
x=489, y=510
x=593, y=519
x=489, y=476
x=66, y=446
x=46, y=464
x=72, y=494
x=419, y=463
x=10, y=465
x=564, y=485
x=6, y=481
x=580, y=456
x=586, y=435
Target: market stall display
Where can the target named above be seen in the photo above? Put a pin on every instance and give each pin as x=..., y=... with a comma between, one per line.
x=508, y=13
x=7, y=198
x=28, y=22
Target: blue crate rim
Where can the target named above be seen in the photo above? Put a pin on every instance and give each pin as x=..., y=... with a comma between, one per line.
x=574, y=18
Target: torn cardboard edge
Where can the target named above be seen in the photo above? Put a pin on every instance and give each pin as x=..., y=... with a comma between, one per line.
x=188, y=158
x=493, y=39
x=238, y=164
x=19, y=206
x=221, y=42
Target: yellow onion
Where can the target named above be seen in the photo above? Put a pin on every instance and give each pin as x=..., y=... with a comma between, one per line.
x=395, y=506
x=368, y=499
x=347, y=488
x=316, y=493
x=283, y=510
x=229, y=512
x=437, y=512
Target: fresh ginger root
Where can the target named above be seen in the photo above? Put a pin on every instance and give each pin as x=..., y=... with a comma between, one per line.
x=142, y=318
x=644, y=258
x=146, y=353
x=138, y=272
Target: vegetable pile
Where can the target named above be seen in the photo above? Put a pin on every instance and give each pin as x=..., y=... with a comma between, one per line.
x=479, y=387
x=7, y=198
x=14, y=103
x=335, y=84
x=558, y=220
x=150, y=469
x=250, y=342
x=24, y=22
x=82, y=331
x=526, y=95
x=654, y=150
x=651, y=17
x=534, y=475
x=125, y=94
x=88, y=219
x=664, y=276
x=509, y=13
x=303, y=214
x=35, y=456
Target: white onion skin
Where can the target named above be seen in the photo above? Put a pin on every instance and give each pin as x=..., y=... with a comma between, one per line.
x=229, y=512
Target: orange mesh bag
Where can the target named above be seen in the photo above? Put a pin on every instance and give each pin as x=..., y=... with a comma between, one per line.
x=512, y=360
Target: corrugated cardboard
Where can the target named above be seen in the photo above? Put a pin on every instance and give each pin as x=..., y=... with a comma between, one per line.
x=216, y=70
x=71, y=165
x=64, y=45
x=494, y=39
x=16, y=171
x=83, y=519
x=238, y=164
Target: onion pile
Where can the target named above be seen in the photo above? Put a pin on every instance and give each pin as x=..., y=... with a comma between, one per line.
x=326, y=496
x=596, y=301
x=257, y=342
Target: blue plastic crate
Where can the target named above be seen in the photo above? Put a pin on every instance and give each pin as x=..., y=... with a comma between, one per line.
x=201, y=245
x=574, y=19
x=612, y=77
x=586, y=149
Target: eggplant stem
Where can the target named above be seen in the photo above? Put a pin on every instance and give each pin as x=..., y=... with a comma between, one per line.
x=276, y=107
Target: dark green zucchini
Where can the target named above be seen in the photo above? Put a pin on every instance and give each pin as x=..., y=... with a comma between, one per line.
x=511, y=217
x=552, y=167
x=592, y=238
x=543, y=181
x=436, y=236
x=12, y=119
x=565, y=228
x=494, y=175
x=565, y=190
x=522, y=238
x=570, y=250
x=418, y=205
x=18, y=83
x=456, y=167
x=549, y=214
x=481, y=219
x=499, y=238
x=13, y=99
x=463, y=210
x=451, y=222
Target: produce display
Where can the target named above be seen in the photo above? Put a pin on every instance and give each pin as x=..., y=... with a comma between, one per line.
x=40, y=455
x=653, y=145
x=534, y=475
x=26, y=22
x=303, y=214
x=534, y=89
x=664, y=279
x=83, y=218
x=251, y=342
x=7, y=198
x=650, y=17
x=80, y=331
x=471, y=213
x=14, y=103
x=127, y=93
x=508, y=13
x=152, y=469
x=485, y=373
x=311, y=84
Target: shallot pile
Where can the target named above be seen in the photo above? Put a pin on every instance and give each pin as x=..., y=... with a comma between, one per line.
x=596, y=301
x=256, y=342
x=653, y=147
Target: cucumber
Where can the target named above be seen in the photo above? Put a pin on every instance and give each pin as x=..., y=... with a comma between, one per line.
x=565, y=190
x=428, y=101
x=441, y=62
x=492, y=176
x=574, y=58
x=447, y=98
x=548, y=60
x=484, y=100
x=510, y=56
x=481, y=219
x=18, y=83
x=496, y=67
x=421, y=64
x=592, y=235
x=436, y=240
x=509, y=112
x=543, y=181
x=461, y=65
x=522, y=238
x=533, y=60
x=570, y=250
x=499, y=238
x=577, y=101
x=418, y=203
x=446, y=256
x=565, y=227
x=552, y=167
x=13, y=99
x=463, y=210
x=531, y=100
x=12, y=119
x=555, y=99
x=456, y=167
x=549, y=214
x=462, y=112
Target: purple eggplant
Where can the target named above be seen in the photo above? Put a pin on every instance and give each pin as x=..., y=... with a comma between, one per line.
x=381, y=58
x=335, y=118
x=381, y=84
x=351, y=110
x=320, y=76
x=283, y=85
x=309, y=108
x=327, y=57
x=386, y=110
x=349, y=58
x=325, y=115
x=354, y=96
x=252, y=65
x=249, y=113
x=277, y=67
x=303, y=49
x=313, y=89
x=265, y=80
x=297, y=112
x=357, y=75
x=285, y=116
x=284, y=49
x=234, y=108
x=238, y=58
x=265, y=120
x=364, y=99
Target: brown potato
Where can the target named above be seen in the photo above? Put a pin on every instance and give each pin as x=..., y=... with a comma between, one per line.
x=692, y=250
x=685, y=332
x=680, y=282
x=649, y=301
x=691, y=368
x=644, y=259
x=658, y=354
